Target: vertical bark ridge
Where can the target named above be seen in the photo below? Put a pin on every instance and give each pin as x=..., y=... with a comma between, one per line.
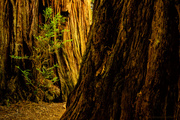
x=127, y=72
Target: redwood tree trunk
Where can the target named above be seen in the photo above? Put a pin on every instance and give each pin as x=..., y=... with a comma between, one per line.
x=78, y=23
x=18, y=25
x=130, y=69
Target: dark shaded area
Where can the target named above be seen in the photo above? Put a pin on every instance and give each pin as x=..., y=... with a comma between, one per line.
x=130, y=67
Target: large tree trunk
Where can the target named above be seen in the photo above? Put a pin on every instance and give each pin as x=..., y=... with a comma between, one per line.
x=130, y=69
x=19, y=21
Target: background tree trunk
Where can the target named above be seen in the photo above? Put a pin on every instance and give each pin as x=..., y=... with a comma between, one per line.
x=78, y=24
x=19, y=22
x=130, y=69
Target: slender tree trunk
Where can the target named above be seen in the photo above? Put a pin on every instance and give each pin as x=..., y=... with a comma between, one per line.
x=130, y=69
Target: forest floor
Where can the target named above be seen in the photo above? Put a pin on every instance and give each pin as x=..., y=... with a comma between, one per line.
x=32, y=111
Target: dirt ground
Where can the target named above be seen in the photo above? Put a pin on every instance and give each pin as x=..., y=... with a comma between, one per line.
x=32, y=111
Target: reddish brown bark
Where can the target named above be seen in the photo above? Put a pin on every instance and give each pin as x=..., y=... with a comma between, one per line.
x=130, y=67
